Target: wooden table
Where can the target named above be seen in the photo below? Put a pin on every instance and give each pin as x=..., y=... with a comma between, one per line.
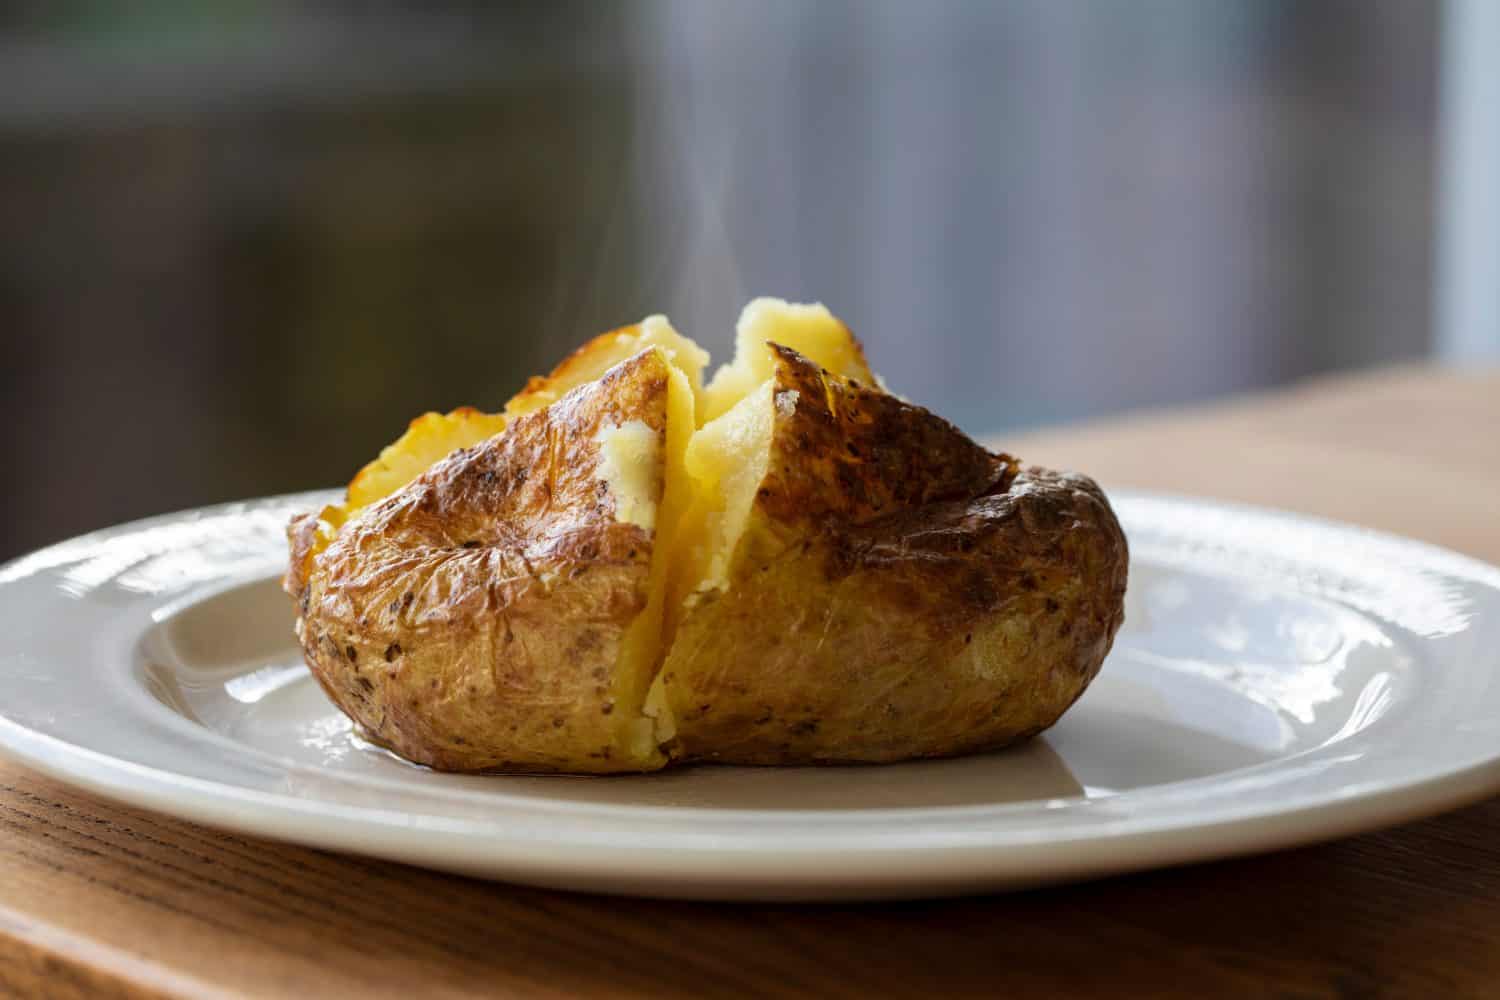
x=97, y=900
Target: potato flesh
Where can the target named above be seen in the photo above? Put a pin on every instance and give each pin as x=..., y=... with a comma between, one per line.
x=726, y=458
x=718, y=474
x=726, y=461
x=643, y=649
x=434, y=436
x=603, y=353
x=809, y=329
x=428, y=439
x=717, y=445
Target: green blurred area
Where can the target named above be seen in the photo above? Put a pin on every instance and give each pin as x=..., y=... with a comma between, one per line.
x=245, y=243
x=250, y=291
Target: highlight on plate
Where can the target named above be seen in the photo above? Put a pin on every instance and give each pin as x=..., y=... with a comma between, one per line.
x=629, y=567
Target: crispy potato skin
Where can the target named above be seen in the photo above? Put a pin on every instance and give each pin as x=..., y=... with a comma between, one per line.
x=899, y=592
x=540, y=389
x=586, y=361
x=471, y=621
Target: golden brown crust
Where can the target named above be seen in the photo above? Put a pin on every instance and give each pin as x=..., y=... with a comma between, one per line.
x=849, y=452
x=471, y=621
x=376, y=467
x=581, y=358
x=927, y=598
x=568, y=372
x=301, y=537
x=898, y=591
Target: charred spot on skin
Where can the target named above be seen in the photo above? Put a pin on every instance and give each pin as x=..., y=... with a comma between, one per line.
x=558, y=722
x=606, y=708
x=364, y=682
x=656, y=387
x=1052, y=606
x=471, y=544
x=351, y=654
x=980, y=591
x=392, y=651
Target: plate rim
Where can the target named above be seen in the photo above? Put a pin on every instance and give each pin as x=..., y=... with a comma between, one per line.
x=307, y=821
x=682, y=870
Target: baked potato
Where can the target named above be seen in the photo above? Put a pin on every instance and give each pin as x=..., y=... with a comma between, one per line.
x=626, y=567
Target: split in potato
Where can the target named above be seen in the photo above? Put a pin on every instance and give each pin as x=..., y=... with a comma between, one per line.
x=627, y=567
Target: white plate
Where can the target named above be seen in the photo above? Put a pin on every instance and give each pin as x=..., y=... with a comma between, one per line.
x=1279, y=680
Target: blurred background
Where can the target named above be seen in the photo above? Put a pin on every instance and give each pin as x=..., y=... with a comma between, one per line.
x=245, y=242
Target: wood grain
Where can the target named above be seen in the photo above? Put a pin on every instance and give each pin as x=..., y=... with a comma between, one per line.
x=99, y=900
